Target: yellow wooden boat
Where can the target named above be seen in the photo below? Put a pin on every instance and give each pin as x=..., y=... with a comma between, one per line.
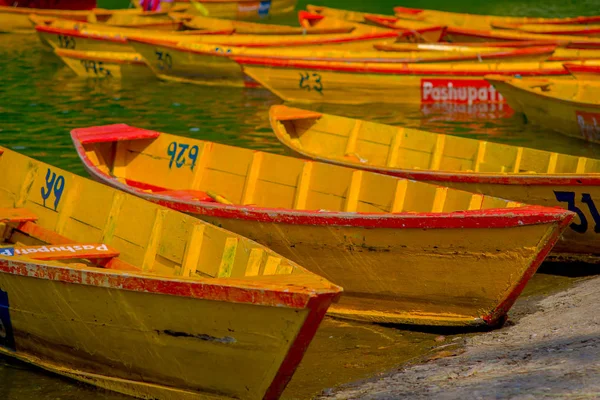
x=254, y=28
x=106, y=288
x=568, y=106
x=414, y=31
x=358, y=83
x=212, y=64
x=475, y=21
x=510, y=172
x=387, y=241
x=111, y=65
x=16, y=19
x=240, y=9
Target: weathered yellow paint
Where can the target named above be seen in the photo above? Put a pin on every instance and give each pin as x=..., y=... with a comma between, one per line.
x=568, y=106
x=147, y=334
x=553, y=29
x=99, y=64
x=324, y=138
x=412, y=275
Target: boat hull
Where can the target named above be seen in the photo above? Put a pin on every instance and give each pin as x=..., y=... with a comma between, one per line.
x=564, y=115
x=307, y=82
x=244, y=9
x=105, y=65
x=397, y=268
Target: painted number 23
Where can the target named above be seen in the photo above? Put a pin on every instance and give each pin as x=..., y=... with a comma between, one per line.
x=55, y=185
x=582, y=226
x=178, y=153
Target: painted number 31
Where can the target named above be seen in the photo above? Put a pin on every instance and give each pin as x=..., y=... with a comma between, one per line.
x=178, y=153
x=582, y=226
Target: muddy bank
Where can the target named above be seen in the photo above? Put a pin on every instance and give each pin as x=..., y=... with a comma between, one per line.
x=553, y=352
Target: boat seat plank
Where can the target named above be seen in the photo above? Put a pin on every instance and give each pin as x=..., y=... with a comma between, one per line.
x=16, y=215
x=286, y=114
x=113, y=133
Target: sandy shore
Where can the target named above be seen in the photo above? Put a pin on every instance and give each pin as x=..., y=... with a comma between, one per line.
x=552, y=351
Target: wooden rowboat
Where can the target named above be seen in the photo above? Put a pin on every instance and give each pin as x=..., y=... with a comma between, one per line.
x=110, y=65
x=92, y=278
x=570, y=107
x=386, y=240
x=253, y=28
x=16, y=19
x=359, y=83
x=212, y=64
x=476, y=21
x=510, y=172
x=240, y=9
x=412, y=31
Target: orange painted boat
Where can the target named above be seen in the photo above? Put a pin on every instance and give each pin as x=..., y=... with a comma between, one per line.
x=411, y=31
x=476, y=21
x=253, y=28
x=387, y=241
x=103, y=287
x=240, y=9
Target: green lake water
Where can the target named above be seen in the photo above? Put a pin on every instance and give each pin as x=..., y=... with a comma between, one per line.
x=41, y=101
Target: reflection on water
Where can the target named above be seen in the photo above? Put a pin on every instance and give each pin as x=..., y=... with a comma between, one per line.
x=41, y=101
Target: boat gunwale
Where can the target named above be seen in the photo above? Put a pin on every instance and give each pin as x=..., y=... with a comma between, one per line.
x=475, y=219
x=102, y=36
x=405, y=69
x=451, y=176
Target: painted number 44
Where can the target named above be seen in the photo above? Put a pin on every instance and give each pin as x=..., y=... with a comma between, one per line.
x=569, y=198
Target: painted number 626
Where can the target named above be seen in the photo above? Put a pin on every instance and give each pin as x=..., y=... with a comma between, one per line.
x=582, y=226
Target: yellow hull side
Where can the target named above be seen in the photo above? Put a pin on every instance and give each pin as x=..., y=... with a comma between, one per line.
x=174, y=342
x=106, y=65
x=306, y=85
x=77, y=42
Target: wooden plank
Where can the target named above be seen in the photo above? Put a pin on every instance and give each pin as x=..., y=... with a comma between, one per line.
x=394, y=148
x=353, y=191
x=284, y=269
x=581, y=165
x=440, y=199
x=153, y=241
x=438, y=152
x=476, y=202
x=193, y=249
x=61, y=252
x=552, y=163
x=353, y=137
x=98, y=161
x=228, y=259
x=120, y=163
x=399, y=196
x=252, y=177
x=16, y=215
x=113, y=215
x=201, y=163
x=28, y=182
x=480, y=155
x=67, y=205
x=518, y=160
x=303, y=186
x=271, y=265
x=254, y=261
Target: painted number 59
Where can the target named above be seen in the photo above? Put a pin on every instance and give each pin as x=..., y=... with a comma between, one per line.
x=569, y=198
